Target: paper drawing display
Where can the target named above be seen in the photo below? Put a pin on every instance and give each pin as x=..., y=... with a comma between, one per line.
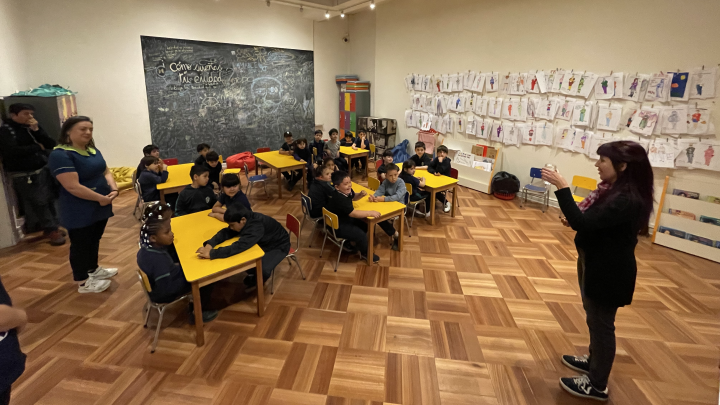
x=618, y=85
x=533, y=105
x=608, y=117
x=492, y=82
x=437, y=84
x=544, y=134
x=561, y=135
x=573, y=136
x=595, y=143
x=679, y=86
x=674, y=120
x=509, y=134
x=531, y=83
x=416, y=102
x=440, y=105
x=495, y=107
x=460, y=124
x=633, y=86
x=457, y=82
x=604, y=87
x=528, y=134
x=522, y=113
x=471, y=126
x=446, y=84
x=427, y=84
x=409, y=82
x=478, y=83
x=582, y=142
x=570, y=82
x=565, y=109
x=517, y=84
x=470, y=102
x=707, y=156
x=698, y=120
x=498, y=132
x=423, y=102
x=409, y=118
x=702, y=83
x=506, y=84
x=582, y=113
x=468, y=80
x=540, y=76
x=688, y=150
x=661, y=154
x=659, y=87
x=417, y=84
x=586, y=84
x=644, y=121
x=481, y=105
x=557, y=81
x=484, y=128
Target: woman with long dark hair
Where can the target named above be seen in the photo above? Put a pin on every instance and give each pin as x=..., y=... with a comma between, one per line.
x=607, y=222
x=86, y=194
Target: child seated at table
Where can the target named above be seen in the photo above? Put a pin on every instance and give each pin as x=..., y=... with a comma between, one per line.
x=319, y=190
x=301, y=151
x=361, y=142
x=330, y=162
x=350, y=226
x=391, y=189
x=202, y=149
x=288, y=149
x=440, y=166
x=348, y=140
x=319, y=145
x=151, y=177
x=231, y=196
x=149, y=150
x=198, y=196
x=408, y=176
x=252, y=228
x=420, y=158
x=387, y=158
x=332, y=149
x=212, y=162
x=158, y=259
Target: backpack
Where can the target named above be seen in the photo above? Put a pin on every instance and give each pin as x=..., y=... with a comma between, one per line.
x=505, y=183
x=238, y=161
x=400, y=152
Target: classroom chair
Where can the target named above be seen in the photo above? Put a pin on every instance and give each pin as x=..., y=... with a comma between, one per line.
x=306, y=204
x=140, y=203
x=220, y=159
x=331, y=225
x=293, y=226
x=260, y=178
x=372, y=152
x=315, y=153
x=413, y=204
x=582, y=182
x=544, y=191
x=378, y=163
x=373, y=183
x=160, y=307
x=262, y=167
x=171, y=161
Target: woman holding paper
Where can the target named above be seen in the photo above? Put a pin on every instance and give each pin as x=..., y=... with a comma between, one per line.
x=607, y=223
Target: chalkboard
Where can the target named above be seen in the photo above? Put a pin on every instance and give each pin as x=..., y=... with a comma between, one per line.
x=234, y=97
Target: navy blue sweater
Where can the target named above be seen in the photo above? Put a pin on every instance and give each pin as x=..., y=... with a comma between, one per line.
x=12, y=360
x=162, y=267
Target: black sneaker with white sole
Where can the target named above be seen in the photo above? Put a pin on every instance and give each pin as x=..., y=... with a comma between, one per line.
x=577, y=363
x=580, y=387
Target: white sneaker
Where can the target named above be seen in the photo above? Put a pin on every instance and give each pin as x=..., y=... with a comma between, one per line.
x=427, y=214
x=102, y=273
x=447, y=206
x=94, y=286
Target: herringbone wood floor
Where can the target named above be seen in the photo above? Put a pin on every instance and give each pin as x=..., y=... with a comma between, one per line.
x=476, y=310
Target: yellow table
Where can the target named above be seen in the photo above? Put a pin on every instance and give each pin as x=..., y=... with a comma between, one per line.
x=281, y=163
x=178, y=179
x=351, y=153
x=190, y=233
x=387, y=210
x=435, y=184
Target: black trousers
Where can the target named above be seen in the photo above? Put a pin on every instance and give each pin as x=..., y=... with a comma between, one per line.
x=84, y=246
x=600, y=319
x=341, y=163
x=357, y=232
x=37, y=196
x=271, y=260
x=5, y=397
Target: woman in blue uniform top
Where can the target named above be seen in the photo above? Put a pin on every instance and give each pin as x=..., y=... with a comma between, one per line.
x=86, y=195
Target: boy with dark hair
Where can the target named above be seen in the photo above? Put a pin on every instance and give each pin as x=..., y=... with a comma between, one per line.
x=252, y=228
x=319, y=145
x=332, y=148
x=301, y=151
x=319, y=190
x=197, y=196
x=408, y=176
x=420, y=158
x=361, y=142
x=391, y=189
x=151, y=177
x=149, y=150
x=202, y=149
x=230, y=196
x=349, y=140
x=212, y=162
x=351, y=226
x=387, y=158
x=288, y=148
x=440, y=166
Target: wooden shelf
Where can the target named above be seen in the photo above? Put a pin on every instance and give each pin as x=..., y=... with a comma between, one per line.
x=684, y=245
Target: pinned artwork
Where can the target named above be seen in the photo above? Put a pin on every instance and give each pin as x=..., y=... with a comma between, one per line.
x=418, y=82
x=409, y=119
x=460, y=124
x=410, y=82
x=595, y=143
x=555, y=85
x=423, y=119
x=674, y=120
x=484, y=127
x=548, y=108
x=447, y=84
x=440, y=104
x=702, y=83
x=527, y=134
x=541, y=81
x=492, y=82
x=471, y=126
x=478, y=83
x=495, y=107
x=572, y=137
x=531, y=83
x=618, y=85
x=497, y=133
x=416, y=119
x=468, y=80
x=437, y=84
x=561, y=133
x=608, y=117
x=416, y=102
x=470, y=102
x=659, y=87
x=423, y=103
x=481, y=106
x=582, y=142
x=436, y=123
x=450, y=124
x=582, y=113
x=570, y=82
x=510, y=136
x=517, y=83
x=586, y=84
x=661, y=154
x=604, y=87
x=427, y=84
x=544, y=134
x=644, y=121
x=456, y=81
x=533, y=105
x=633, y=86
x=507, y=83
x=457, y=103
x=565, y=109
x=688, y=150
x=507, y=108
x=698, y=120
x=522, y=112
x=679, y=86
x=707, y=156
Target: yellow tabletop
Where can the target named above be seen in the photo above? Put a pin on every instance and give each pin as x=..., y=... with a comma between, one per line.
x=235, y=171
x=348, y=150
x=364, y=203
x=178, y=176
x=277, y=160
x=190, y=233
x=434, y=181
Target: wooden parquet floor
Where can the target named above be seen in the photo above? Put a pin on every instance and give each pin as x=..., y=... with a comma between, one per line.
x=476, y=310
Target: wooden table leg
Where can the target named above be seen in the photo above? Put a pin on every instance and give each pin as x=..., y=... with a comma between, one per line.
x=454, y=201
x=367, y=160
x=371, y=241
x=432, y=207
x=280, y=185
x=260, y=288
x=197, y=307
x=401, y=231
x=304, y=179
x=257, y=166
x=162, y=196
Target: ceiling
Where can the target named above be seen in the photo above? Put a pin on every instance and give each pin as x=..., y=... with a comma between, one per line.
x=315, y=9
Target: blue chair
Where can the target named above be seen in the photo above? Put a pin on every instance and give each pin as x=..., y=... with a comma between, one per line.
x=544, y=191
x=260, y=178
x=306, y=204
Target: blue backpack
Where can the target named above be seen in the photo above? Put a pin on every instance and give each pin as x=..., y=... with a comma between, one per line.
x=400, y=153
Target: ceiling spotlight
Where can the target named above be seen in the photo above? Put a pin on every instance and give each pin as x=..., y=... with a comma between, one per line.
x=372, y=5
x=267, y=3
x=301, y=8
x=327, y=14
x=342, y=14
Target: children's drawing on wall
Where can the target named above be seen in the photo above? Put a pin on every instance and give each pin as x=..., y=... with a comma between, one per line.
x=522, y=110
x=517, y=83
x=604, y=87
x=635, y=86
x=497, y=133
x=481, y=106
x=510, y=136
x=409, y=119
x=478, y=83
x=528, y=134
x=706, y=155
x=533, y=105
x=674, y=120
x=644, y=121
x=541, y=77
x=686, y=155
x=409, y=82
x=565, y=109
x=558, y=81
x=468, y=80
x=460, y=124
x=436, y=122
x=609, y=117
x=702, y=83
x=485, y=129
x=471, y=126
x=416, y=102
x=618, y=85
x=658, y=87
x=582, y=141
x=582, y=113
x=679, y=86
x=427, y=84
x=570, y=138
x=585, y=84
x=447, y=84
x=531, y=83
x=437, y=84
x=423, y=102
x=561, y=135
x=570, y=82
x=419, y=82
x=440, y=107
x=544, y=134
x=495, y=107
x=661, y=154
x=595, y=142
x=506, y=83
x=470, y=102
x=698, y=120
x=507, y=108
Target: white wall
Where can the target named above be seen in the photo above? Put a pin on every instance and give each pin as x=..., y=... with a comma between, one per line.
x=331, y=59
x=361, y=58
x=436, y=37
x=93, y=47
x=11, y=61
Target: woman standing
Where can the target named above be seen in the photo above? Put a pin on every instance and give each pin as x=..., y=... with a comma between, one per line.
x=86, y=194
x=607, y=223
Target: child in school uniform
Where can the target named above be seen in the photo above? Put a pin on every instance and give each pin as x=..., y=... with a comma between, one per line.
x=212, y=162
x=332, y=149
x=12, y=359
x=440, y=166
x=151, y=177
x=159, y=261
x=348, y=140
x=288, y=148
x=361, y=142
x=252, y=228
x=420, y=158
x=319, y=145
x=408, y=176
x=351, y=226
x=387, y=158
x=198, y=196
x=330, y=162
x=149, y=150
x=320, y=189
x=391, y=189
x=202, y=149
x=301, y=151
x=231, y=196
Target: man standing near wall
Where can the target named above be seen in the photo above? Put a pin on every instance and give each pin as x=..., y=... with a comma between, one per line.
x=24, y=148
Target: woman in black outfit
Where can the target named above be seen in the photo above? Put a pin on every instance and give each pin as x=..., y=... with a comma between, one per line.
x=607, y=223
